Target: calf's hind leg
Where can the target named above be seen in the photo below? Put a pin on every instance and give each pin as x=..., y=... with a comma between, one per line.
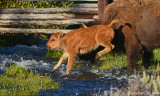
x=107, y=49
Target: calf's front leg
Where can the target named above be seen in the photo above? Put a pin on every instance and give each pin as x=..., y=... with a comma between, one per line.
x=70, y=64
x=63, y=58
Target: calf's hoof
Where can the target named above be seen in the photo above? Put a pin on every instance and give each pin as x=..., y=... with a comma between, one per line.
x=97, y=59
x=53, y=71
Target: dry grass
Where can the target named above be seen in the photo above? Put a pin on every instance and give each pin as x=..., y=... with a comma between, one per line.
x=146, y=84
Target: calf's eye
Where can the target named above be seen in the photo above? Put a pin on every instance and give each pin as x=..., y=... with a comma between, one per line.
x=52, y=39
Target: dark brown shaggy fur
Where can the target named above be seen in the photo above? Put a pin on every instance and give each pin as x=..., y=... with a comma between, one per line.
x=142, y=38
x=148, y=33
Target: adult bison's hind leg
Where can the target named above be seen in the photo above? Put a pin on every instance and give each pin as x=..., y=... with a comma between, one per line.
x=134, y=52
x=134, y=49
x=147, y=58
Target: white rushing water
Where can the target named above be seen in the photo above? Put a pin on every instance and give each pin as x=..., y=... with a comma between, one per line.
x=32, y=57
x=24, y=56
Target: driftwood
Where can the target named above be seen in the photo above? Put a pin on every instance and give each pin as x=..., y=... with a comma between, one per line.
x=60, y=0
x=90, y=5
x=43, y=16
x=35, y=16
x=81, y=14
x=50, y=10
x=23, y=30
x=46, y=23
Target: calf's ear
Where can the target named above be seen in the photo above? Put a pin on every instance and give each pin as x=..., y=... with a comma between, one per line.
x=62, y=34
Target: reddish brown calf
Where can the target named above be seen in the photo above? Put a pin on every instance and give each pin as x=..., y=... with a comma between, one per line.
x=82, y=41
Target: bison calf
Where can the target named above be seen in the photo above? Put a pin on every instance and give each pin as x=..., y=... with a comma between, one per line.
x=82, y=41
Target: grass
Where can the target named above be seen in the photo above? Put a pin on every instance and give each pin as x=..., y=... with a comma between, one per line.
x=17, y=81
x=112, y=59
x=120, y=60
x=33, y=4
x=55, y=54
x=147, y=84
x=156, y=58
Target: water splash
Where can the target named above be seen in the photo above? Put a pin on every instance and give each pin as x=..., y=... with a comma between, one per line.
x=82, y=81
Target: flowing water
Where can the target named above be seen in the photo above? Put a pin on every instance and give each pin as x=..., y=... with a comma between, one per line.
x=81, y=82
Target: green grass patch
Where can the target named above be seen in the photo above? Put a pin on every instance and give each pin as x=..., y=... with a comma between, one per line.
x=17, y=81
x=120, y=59
x=155, y=60
x=33, y=4
x=80, y=65
x=56, y=54
x=112, y=59
x=156, y=53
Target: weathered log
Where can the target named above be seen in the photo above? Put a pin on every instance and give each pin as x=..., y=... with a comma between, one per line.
x=46, y=23
x=43, y=16
x=20, y=30
x=60, y=0
x=89, y=5
x=79, y=16
x=35, y=16
x=50, y=10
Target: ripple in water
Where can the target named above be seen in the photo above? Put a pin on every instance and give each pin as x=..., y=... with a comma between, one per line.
x=82, y=81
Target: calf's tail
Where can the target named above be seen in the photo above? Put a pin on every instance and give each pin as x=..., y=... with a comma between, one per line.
x=120, y=22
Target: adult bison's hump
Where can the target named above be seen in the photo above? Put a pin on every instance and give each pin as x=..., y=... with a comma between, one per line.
x=148, y=29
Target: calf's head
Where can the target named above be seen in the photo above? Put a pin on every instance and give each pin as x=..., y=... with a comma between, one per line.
x=54, y=41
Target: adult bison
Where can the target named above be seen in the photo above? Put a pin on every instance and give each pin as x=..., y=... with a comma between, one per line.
x=143, y=37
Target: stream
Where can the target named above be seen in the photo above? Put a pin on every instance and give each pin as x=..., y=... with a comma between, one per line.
x=81, y=82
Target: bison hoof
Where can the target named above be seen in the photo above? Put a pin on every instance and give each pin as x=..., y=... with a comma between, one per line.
x=97, y=59
x=53, y=71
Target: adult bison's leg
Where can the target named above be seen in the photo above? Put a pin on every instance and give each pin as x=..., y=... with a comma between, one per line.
x=133, y=49
x=132, y=54
x=147, y=58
